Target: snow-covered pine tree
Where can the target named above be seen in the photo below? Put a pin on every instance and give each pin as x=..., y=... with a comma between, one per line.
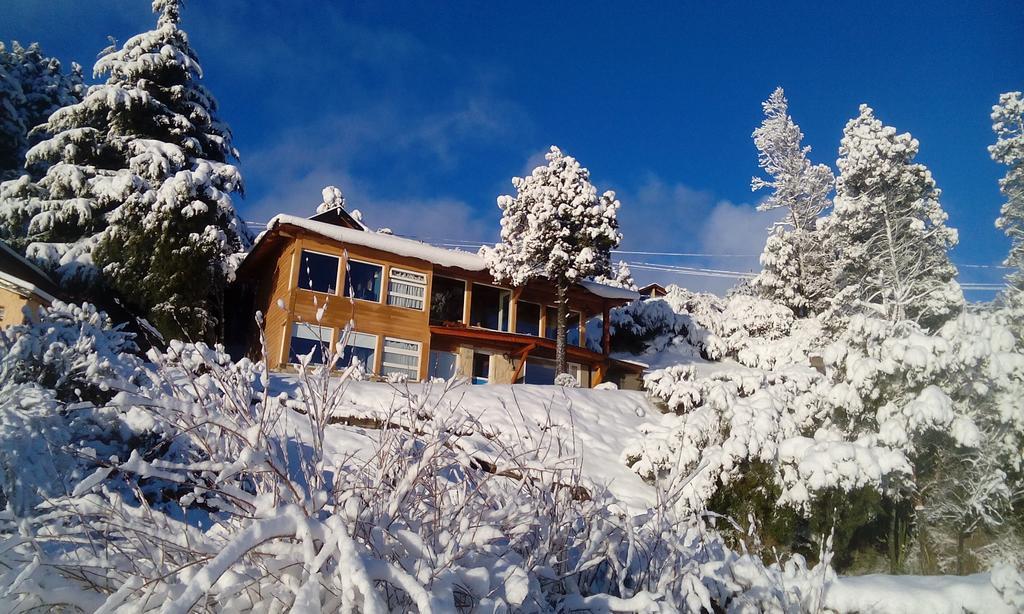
x=890, y=230
x=794, y=265
x=32, y=86
x=623, y=277
x=556, y=227
x=138, y=185
x=1008, y=124
x=12, y=126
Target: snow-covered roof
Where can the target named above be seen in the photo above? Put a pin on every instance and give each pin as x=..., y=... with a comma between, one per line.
x=25, y=287
x=606, y=291
x=23, y=275
x=417, y=249
x=388, y=243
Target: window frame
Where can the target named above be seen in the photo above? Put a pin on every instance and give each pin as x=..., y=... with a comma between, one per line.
x=418, y=354
x=569, y=311
x=337, y=273
x=370, y=369
x=348, y=280
x=540, y=318
x=575, y=369
x=472, y=372
x=508, y=315
x=421, y=299
x=329, y=342
x=455, y=363
x=464, y=316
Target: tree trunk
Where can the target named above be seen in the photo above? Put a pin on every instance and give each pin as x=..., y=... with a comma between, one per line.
x=894, y=548
x=961, y=565
x=560, y=362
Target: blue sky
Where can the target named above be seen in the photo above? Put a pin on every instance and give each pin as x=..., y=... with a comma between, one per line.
x=421, y=112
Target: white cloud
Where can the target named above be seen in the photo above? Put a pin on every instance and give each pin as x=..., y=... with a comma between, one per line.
x=662, y=216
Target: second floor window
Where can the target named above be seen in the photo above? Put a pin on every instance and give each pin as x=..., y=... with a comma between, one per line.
x=447, y=300
x=572, y=326
x=528, y=319
x=406, y=289
x=318, y=272
x=489, y=307
x=364, y=280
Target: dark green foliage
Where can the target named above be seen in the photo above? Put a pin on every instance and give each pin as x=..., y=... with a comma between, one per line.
x=858, y=520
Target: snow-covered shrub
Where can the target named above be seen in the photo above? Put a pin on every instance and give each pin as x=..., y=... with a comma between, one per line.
x=241, y=507
x=75, y=351
x=567, y=380
x=652, y=325
x=753, y=331
x=57, y=370
x=933, y=419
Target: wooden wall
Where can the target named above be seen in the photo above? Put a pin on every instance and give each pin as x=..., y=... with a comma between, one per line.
x=378, y=319
x=300, y=305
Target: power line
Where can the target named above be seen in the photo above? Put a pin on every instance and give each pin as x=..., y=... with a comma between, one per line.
x=463, y=244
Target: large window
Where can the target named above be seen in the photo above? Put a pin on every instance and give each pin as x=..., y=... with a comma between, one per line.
x=481, y=368
x=542, y=371
x=318, y=272
x=364, y=280
x=307, y=338
x=572, y=326
x=406, y=288
x=539, y=371
x=360, y=347
x=489, y=307
x=447, y=299
x=528, y=319
x=443, y=364
x=401, y=357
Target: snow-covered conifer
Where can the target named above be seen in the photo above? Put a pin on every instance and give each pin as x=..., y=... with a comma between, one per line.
x=32, y=86
x=793, y=261
x=623, y=277
x=138, y=185
x=890, y=229
x=556, y=227
x=1008, y=124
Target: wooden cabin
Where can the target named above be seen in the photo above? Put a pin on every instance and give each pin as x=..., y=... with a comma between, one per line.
x=416, y=309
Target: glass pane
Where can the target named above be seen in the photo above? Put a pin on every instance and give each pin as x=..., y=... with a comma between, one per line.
x=362, y=347
x=481, y=367
x=365, y=356
x=406, y=289
x=528, y=319
x=442, y=364
x=489, y=308
x=318, y=272
x=306, y=339
x=551, y=323
x=447, y=297
x=572, y=328
x=364, y=280
x=540, y=372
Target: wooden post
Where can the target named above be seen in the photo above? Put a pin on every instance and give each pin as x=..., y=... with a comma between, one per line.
x=513, y=308
x=522, y=361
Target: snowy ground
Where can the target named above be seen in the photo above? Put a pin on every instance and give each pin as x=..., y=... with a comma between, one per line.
x=594, y=426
